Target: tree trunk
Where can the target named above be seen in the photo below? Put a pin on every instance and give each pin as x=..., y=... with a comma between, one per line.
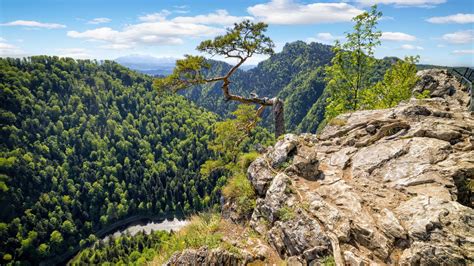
x=279, y=116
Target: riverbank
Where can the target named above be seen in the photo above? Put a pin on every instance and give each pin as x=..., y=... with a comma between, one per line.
x=111, y=229
x=148, y=227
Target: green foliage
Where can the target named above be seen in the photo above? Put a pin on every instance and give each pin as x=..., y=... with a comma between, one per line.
x=424, y=95
x=240, y=190
x=353, y=64
x=232, y=134
x=233, y=138
x=243, y=40
x=286, y=213
x=125, y=249
x=328, y=261
x=396, y=86
x=247, y=158
x=188, y=72
x=201, y=231
x=85, y=145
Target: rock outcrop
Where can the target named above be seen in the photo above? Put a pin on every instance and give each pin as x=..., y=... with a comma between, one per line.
x=379, y=186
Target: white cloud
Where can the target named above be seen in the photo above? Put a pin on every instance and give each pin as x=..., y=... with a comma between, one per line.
x=463, y=52
x=158, y=16
x=34, y=24
x=290, y=12
x=9, y=50
x=99, y=21
x=460, y=37
x=77, y=53
x=411, y=47
x=403, y=3
x=324, y=37
x=397, y=36
x=149, y=33
x=220, y=17
x=457, y=18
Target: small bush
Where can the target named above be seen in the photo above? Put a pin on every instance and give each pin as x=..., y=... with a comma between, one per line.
x=286, y=213
x=424, y=95
x=328, y=261
x=241, y=191
x=201, y=231
x=246, y=159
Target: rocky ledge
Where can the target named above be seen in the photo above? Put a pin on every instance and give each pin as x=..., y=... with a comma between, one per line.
x=388, y=186
x=375, y=187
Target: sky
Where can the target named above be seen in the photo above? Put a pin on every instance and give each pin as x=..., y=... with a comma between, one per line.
x=441, y=32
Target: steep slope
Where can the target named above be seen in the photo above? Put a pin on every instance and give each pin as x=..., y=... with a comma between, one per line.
x=84, y=145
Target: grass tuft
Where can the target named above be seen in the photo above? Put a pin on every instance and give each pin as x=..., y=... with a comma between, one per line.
x=201, y=231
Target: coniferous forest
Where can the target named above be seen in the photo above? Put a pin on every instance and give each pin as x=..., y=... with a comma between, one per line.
x=85, y=144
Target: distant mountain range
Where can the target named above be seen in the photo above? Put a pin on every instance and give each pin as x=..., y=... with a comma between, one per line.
x=148, y=64
x=154, y=66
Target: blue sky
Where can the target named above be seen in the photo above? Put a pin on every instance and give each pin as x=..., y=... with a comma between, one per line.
x=440, y=31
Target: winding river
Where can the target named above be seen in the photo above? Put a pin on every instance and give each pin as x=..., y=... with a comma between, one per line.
x=148, y=227
x=133, y=225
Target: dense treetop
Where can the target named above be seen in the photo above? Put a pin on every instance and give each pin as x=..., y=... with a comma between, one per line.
x=84, y=144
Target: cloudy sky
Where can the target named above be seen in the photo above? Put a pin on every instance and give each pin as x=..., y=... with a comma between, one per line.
x=440, y=31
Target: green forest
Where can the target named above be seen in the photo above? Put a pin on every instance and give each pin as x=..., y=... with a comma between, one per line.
x=123, y=250
x=85, y=144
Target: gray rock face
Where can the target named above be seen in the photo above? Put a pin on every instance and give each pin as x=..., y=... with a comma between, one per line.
x=438, y=81
x=388, y=187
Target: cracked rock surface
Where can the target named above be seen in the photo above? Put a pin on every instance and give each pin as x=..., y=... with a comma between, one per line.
x=383, y=187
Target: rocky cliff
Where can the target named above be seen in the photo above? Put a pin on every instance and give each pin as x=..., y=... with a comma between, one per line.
x=389, y=186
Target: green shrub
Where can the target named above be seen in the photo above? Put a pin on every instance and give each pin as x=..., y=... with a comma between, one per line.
x=246, y=159
x=240, y=190
x=201, y=231
x=286, y=213
x=328, y=261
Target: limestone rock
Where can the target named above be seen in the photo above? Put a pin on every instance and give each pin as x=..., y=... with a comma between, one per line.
x=384, y=187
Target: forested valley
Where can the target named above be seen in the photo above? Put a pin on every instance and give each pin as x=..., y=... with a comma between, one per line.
x=85, y=144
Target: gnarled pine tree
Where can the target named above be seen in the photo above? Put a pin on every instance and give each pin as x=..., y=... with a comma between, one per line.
x=241, y=42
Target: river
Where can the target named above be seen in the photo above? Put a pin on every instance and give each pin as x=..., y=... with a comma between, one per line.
x=133, y=224
x=148, y=227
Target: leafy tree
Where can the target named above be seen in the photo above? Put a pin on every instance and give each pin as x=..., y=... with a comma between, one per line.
x=56, y=238
x=241, y=42
x=353, y=64
x=396, y=86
